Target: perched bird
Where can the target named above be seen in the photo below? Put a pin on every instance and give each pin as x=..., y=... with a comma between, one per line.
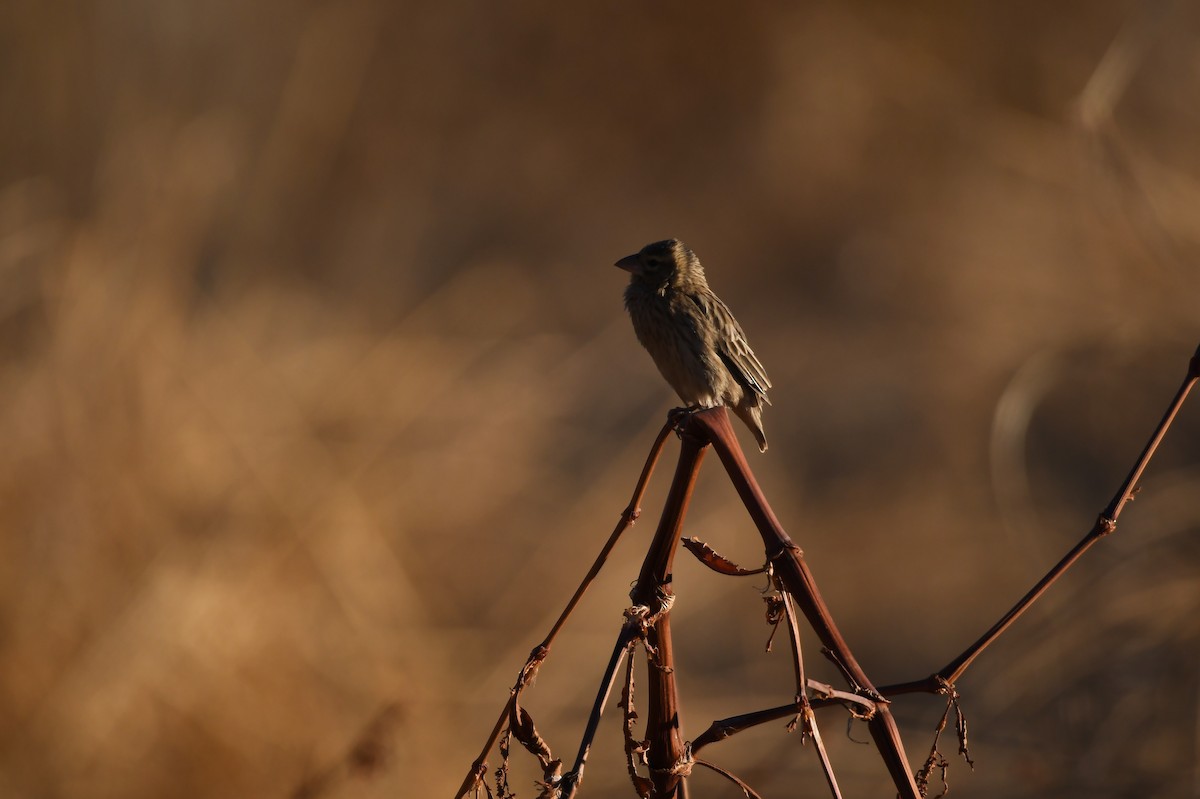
x=693, y=338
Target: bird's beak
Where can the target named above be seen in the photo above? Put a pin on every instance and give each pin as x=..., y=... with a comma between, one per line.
x=630, y=263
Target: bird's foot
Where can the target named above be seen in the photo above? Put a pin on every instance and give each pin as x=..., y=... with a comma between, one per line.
x=678, y=417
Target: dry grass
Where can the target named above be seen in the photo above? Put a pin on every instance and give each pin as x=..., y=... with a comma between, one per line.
x=308, y=322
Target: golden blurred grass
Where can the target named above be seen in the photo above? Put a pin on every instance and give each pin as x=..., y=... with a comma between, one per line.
x=317, y=395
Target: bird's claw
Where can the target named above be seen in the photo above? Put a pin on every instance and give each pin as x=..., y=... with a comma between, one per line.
x=678, y=417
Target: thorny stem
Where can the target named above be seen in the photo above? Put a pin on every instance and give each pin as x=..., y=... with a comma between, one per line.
x=1106, y=523
x=540, y=652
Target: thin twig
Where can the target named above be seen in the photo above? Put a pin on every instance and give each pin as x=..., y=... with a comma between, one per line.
x=746, y=789
x=570, y=781
x=542, y=650
x=789, y=613
x=825, y=696
x=628, y=517
x=809, y=720
x=1106, y=524
x=806, y=718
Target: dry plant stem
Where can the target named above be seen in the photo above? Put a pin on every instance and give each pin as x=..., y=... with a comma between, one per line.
x=807, y=719
x=1105, y=524
x=539, y=653
x=667, y=751
x=628, y=517
x=789, y=564
x=747, y=791
x=789, y=613
x=826, y=696
x=653, y=591
x=571, y=780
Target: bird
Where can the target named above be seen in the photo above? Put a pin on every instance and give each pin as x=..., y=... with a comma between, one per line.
x=695, y=341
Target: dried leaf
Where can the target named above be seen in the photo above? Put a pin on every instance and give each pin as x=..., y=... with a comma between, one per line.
x=523, y=729
x=710, y=558
x=633, y=747
x=961, y=728
x=503, y=790
x=551, y=782
x=775, y=615
x=936, y=759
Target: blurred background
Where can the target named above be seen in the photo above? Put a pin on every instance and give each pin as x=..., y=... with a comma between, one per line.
x=317, y=396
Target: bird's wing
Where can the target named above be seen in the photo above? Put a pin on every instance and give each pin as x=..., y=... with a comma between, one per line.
x=732, y=347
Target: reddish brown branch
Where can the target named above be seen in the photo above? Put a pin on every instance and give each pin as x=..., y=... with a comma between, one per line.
x=542, y=650
x=666, y=754
x=1106, y=523
x=789, y=564
x=649, y=619
x=824, y=696
x=628, y=517
x=669, y=760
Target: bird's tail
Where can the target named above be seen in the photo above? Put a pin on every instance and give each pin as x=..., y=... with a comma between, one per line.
x=752, y=416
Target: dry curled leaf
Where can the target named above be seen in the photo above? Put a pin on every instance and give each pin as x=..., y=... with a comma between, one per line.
x=635, y=750
x=523, y=729
x=775, y=614
x=935, y=760
x=715, y=561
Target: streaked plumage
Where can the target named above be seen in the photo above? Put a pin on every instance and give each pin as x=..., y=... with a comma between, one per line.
x=693, y=338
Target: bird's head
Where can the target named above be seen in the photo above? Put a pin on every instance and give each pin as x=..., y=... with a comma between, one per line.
x=663, y=264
